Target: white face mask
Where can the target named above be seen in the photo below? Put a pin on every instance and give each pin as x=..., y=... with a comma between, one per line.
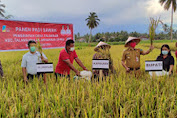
x=72, y=49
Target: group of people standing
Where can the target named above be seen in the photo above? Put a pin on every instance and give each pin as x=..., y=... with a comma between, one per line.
x=130, y=59
x=65, y=62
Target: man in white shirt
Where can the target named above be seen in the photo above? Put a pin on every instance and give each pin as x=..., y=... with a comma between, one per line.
x=29, y=67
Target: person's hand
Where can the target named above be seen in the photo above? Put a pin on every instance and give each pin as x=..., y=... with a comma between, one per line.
x=42, y=58
x=151, y=47
x=127, y=69
x=78, y=73
x=170, y=73
x=85, y=69
x=25, y=79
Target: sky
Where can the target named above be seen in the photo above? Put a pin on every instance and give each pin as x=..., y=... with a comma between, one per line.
x=114, y=15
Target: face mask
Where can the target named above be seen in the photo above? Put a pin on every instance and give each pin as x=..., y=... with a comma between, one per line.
x=72, y=49
x=164, y=52
x=133, y=44
x=32, y=49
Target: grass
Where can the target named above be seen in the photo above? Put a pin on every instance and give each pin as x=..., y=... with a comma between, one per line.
x=118, y=96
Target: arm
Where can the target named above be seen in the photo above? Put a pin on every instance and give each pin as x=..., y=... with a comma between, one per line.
x=24, y=65
x=148, y=51
x=123, y=61
x=24, y=74
x=71, y=66
x=80, y=63
x=44, y=60
x=172, y=62
x=124, y=65
x=171, y=69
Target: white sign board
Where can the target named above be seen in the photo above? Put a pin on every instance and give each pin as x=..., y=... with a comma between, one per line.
x=44, y=67
x=153, y=65
x=101, y=64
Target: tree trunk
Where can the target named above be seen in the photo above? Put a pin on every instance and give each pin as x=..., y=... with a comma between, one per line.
x=171, y=23
x=90, y=35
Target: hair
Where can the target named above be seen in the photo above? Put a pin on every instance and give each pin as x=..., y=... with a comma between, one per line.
x=68, y=42
x=167, y=46
x=31, y=41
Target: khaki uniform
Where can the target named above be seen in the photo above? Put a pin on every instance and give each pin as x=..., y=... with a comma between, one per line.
x=132, y=58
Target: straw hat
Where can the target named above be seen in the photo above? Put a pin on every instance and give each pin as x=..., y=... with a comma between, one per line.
x=137, y=40
x=101, y=44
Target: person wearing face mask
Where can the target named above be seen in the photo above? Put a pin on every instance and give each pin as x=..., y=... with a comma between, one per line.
x=167, y=58
x=65, y=62
x=131, y=56
x=29, y=67
x=102, y=52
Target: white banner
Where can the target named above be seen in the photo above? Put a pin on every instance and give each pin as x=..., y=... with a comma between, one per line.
x=100, y=64
x=44, y=67
x=153, y=65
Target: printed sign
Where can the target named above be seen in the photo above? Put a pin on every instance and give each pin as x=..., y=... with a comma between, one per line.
x=100, y=64
x=153, y=65
x=14, y=35
x=44, y=67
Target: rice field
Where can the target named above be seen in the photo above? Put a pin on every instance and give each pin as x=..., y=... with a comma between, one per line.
x=118, y=96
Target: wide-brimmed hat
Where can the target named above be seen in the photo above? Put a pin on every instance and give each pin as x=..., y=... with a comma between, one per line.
x=137, y=40
x=101, y=44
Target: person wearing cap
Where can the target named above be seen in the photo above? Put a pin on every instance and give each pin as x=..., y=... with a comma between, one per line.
x=102, y=52
x=131, y=56
x=66, y=59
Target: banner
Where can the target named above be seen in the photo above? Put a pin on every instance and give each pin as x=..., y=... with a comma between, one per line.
x=14, y=35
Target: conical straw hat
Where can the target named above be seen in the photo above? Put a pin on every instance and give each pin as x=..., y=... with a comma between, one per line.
x=101, y=44
x=132, y=38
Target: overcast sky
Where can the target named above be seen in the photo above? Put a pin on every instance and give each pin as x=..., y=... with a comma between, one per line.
x=115, y=15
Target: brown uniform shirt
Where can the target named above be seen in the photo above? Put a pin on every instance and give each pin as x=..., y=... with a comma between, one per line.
x=132, y=57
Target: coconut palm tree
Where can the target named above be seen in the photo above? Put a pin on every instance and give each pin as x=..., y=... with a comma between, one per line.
x=2, y=12
x=167, y=4
x=92, y=22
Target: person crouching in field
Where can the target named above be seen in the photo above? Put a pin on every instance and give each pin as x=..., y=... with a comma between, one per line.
x=102, y=52
x=29, y=67
x=131, y=56
x=65, y=62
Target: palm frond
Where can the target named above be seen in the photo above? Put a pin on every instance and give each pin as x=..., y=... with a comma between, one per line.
x=2, y=10
x=2, y=5
x=2, y=15
x=167, y=5
x=162, y=1
x=174, y=5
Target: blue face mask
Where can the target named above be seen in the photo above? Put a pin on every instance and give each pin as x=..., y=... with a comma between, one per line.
x=164, y=52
